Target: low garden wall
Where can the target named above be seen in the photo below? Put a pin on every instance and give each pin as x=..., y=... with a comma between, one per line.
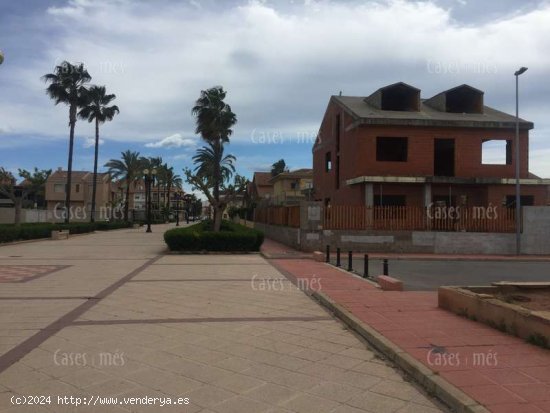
x=387, y=241
x=535, y=238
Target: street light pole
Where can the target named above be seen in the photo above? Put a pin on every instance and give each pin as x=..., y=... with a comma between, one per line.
x=148, y=179
x=518, y=197
x=148, y=188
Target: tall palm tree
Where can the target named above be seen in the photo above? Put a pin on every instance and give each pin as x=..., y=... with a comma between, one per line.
x=161, y=180
x=128, y=168
x=214, y=120
x=171, y=180
x=97, y=110
x=153, y=163
x=67, y=85
x=209, y=157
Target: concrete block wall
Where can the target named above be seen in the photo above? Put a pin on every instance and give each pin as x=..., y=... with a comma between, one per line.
x=535, y=238
x=284, y=235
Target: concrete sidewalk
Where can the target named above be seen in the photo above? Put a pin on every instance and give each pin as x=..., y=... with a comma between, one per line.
x=498, y=371
x=110, y=314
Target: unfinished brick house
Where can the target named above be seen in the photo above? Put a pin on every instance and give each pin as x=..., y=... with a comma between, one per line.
x=394, y=148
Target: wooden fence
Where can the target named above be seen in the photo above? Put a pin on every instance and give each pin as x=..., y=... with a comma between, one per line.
x=288, y=216
x=398, y=218
x=410, y=218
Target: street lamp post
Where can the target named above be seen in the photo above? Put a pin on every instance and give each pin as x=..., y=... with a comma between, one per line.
x=518, y=197
x=149, y=174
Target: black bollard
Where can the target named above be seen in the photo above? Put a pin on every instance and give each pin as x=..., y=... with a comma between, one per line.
x=350, y=261
x=338, y=257
x=366, y=266
x=327, y=259
x=386, y=271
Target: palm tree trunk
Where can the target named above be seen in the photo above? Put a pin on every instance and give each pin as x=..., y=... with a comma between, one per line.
x=216, y=192
x=94, y=185
x=72, y=122
x=127, y=203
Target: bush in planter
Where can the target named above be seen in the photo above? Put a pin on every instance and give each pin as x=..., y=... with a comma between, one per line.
x=198, y=237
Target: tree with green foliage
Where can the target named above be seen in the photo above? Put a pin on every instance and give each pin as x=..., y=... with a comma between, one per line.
x=171, y=180
x=35, y=183
x=97, y=110
x=214, y=120
x=10, y=190
x=278, y=167
x=154, y=163
x=201, y=178
x=67, y=85
x=129, y=168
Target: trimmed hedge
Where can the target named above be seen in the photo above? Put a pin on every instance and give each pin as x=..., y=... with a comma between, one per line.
x=106, y=226
x=200, y=237
x=11, y=232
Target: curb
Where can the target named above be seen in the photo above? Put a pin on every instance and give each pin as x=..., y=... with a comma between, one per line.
x=479, y=258
x=283, y=256
x=452, y=396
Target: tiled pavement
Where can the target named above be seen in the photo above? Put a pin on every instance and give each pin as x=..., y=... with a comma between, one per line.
x=227, y=331
x=501, y=372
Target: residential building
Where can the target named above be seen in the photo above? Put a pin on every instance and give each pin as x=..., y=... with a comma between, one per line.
x=81, y=191
x=159, y=195
x=236, y=201
x=260, y=189
x=394, y=148
x=289, y=188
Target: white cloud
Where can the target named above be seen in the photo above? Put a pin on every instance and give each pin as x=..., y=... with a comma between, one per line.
x=173, y=141
x=89, y=142
x=279, y=67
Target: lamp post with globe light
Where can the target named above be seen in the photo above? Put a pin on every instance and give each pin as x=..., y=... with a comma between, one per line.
x=517, y=74
x=149, y=176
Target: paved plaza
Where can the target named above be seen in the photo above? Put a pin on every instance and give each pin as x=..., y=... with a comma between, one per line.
x=112, y=315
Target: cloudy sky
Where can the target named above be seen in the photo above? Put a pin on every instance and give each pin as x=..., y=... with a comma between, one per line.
x=279, y=61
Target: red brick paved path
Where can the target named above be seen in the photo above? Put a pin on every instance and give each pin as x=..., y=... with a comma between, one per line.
x=23, y=273
x=502, y=372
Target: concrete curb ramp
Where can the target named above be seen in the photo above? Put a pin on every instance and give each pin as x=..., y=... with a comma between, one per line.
x=457, y=400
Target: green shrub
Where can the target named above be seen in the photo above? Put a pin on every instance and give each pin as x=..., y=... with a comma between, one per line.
x=199, y=237
x=27, y=231
x=106, y=226
x=539, y=340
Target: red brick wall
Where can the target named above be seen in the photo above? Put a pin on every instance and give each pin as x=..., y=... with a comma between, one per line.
x=413, y=192
x=496, y=193
x=420, y=160
x=358, y=157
